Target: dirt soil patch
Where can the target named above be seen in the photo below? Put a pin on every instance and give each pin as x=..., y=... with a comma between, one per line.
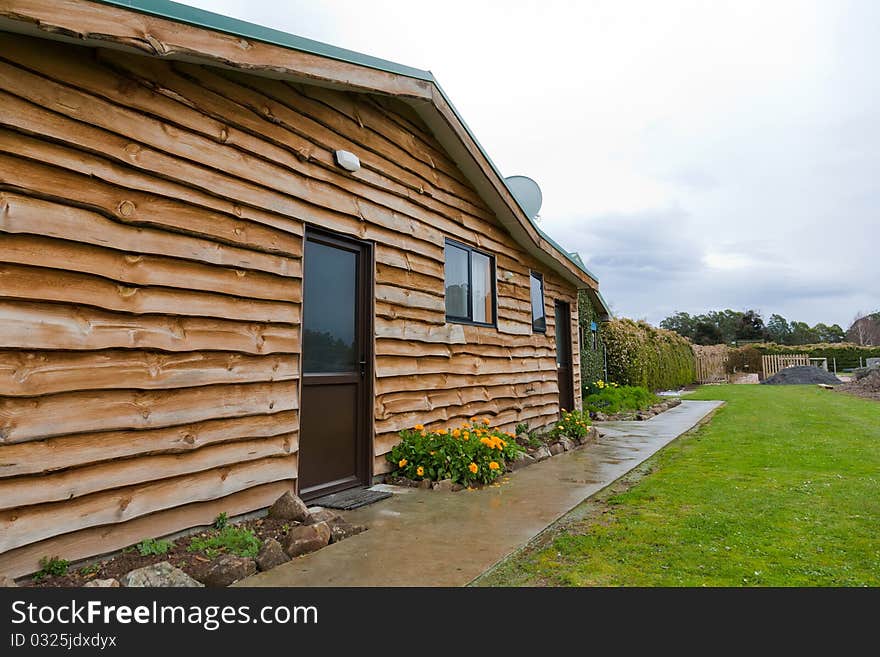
x=865, y=384
x=194, y=564
x=802, y=375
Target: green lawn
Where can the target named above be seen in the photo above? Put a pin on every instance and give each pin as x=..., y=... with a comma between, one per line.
x=781, y=488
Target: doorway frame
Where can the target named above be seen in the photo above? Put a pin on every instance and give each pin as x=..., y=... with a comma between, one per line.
x=366, y=280
x=566, y=306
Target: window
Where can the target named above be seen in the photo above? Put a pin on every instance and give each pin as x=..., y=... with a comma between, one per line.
x=539, y=314
x=470, y=285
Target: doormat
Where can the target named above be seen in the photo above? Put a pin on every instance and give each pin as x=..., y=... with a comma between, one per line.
x=351, y=499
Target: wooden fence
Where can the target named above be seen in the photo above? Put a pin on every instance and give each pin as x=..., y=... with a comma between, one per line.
x=774, y=362
x=711, y=367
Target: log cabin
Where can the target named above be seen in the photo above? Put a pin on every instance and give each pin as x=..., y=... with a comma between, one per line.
x=235, y=262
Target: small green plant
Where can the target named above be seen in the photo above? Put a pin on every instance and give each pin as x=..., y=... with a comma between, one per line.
x=475, y=452
x=521, y=428
x=221, y=521
x=612, y=398
x=91, y=569
x=535, y=439
x=152, y=546
x=285, y=528
x=233, y=540
x=54, y=567
x=572, y=424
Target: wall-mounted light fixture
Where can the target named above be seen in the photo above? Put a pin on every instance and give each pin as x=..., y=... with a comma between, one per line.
x=507, y=276
x=348, y=161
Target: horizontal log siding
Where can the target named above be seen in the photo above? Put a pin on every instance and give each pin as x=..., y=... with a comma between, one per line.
x=151, y=223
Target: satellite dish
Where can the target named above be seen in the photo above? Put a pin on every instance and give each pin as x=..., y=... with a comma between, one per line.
x=527, y=194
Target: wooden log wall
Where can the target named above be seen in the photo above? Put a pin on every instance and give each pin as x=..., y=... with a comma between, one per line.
x=151, y=223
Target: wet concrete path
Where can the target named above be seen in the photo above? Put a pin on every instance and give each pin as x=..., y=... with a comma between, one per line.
x=432, y=538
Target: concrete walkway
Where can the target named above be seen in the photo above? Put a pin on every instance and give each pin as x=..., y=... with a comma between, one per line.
x=432, y=538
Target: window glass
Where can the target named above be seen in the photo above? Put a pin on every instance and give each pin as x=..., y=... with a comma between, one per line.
x=539, y=318
x=330, y=307
x=482, y=283
x=457, y=288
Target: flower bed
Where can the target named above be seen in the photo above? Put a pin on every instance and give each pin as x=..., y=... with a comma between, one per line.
x=476, y=454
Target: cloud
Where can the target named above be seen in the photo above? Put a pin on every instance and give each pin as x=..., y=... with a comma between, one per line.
x=698, y=155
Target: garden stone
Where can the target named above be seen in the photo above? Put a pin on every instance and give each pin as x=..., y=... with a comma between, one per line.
x=522, y=438
x=289, y=507
x=271, y=555
x=556, y=448
x=306, y=538
x=426, y=484
x=566, y=443
x=227, y=569
x=161, y=574
x=601, y=417
x=341, y=530
x=321, y=515
x=541, y=453
x=522, y=460
x=103, y=583
x=444, y=484
x=6, y=582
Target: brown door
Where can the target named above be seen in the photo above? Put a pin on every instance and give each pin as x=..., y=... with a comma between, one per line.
x=336, y=365
x=563, y=356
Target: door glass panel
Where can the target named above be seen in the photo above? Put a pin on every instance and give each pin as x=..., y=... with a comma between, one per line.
x=482, y=274
x=329, y=309
x=456, y=282
x=563, y=337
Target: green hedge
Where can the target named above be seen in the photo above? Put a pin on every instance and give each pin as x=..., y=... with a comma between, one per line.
x=846, y=353
x=642, y=355
x=592, y=360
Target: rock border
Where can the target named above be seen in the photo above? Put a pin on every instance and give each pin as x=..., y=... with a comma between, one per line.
x=310, y=529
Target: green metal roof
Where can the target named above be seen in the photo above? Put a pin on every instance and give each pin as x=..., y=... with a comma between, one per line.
x=181, y=13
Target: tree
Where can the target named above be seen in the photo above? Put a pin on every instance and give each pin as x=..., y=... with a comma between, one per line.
x=778, y=329
x=865, y=329
x=680, y=322
x=750, y=326
x=707, y=333
x=727, y=322
x=831, y=333
x=801, y=333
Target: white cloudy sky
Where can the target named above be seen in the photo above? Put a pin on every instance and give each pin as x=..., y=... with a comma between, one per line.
x=697, y=154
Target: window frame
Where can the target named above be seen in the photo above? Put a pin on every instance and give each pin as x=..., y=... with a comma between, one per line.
x=540, y=277
x=452, y=319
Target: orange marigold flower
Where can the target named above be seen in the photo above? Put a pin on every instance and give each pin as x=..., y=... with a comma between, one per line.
x=456, y=433
x=424, y=433
x=419, y=427
x=473, y=419
x=401, y=463
x=559, y=426
x=420, y=471
x=493, y=465
x=486, y=421
x=442, y=432
x=473, y=468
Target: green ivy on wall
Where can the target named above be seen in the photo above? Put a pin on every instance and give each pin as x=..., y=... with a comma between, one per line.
x=592, y=359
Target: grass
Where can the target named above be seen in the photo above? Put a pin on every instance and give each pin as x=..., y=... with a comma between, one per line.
x=781, y=488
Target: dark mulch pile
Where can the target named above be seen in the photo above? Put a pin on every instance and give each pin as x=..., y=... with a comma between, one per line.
x=194, y=564
x=866, y=383
x=802, y=375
